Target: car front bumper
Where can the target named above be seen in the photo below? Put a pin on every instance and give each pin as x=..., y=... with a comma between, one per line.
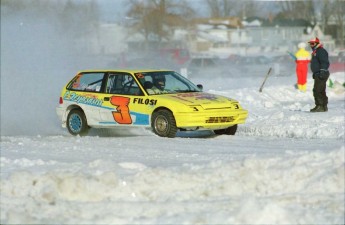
x=211, y=119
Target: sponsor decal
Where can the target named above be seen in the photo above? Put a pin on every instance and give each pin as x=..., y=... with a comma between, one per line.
x=82, y=99
x=144, y=101
x=198, y=95
x=224, y=119
x=76, y=83
x=183, y=99
x=139, y=75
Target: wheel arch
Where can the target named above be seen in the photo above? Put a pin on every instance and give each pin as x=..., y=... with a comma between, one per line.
x=72, y=107
x=161, y=108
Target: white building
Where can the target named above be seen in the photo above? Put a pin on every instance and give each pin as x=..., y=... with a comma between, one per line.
x=252, y=39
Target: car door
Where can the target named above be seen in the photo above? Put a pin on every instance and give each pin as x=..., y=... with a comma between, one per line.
x=121, y=101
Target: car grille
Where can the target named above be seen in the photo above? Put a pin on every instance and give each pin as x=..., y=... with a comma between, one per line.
x=223, y=119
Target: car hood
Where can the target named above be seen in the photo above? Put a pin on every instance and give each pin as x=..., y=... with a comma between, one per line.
x=205, y=100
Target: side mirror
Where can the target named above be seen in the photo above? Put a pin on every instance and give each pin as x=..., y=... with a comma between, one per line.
x=200, y=87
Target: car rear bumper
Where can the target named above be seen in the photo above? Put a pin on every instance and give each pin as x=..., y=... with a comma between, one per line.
x=60, y=111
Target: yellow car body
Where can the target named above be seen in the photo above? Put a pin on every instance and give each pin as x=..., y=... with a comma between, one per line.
x=101, y=99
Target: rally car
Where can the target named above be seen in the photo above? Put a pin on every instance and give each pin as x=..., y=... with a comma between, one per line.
x=163, y=100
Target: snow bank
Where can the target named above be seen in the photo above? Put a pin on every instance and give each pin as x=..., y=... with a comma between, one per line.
x=295, y=188
x=282, y=111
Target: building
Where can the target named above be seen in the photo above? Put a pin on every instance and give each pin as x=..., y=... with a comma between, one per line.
x=252, y=37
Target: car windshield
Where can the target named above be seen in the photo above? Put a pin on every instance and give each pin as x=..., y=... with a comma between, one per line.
x=165, y=82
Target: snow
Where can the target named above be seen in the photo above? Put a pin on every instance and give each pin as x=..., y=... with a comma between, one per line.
x=254, y=23
x=212, y=37
x=284, y=166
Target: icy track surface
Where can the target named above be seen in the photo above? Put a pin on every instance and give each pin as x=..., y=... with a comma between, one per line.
x=284, y=166
x=222, y=180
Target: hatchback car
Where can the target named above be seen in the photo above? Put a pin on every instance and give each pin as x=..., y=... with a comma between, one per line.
x=163, y=100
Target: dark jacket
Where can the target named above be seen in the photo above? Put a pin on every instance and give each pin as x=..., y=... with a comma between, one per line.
x=319, y=60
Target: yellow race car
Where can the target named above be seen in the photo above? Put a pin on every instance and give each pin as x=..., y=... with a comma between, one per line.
x=163, y=100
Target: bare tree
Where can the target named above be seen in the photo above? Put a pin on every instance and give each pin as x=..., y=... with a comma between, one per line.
x=221, y=8
x=226, y=8
x=308, y=9
x=251, y=8
x=326, y=13
x=338, y=9
x=154, y=19
x=304, y=9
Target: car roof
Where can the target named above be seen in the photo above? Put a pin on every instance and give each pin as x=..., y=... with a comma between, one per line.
x=124, y=70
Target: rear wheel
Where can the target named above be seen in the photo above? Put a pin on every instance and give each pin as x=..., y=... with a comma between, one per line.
x=228, y=131
x=76, y=122
x=163, y=123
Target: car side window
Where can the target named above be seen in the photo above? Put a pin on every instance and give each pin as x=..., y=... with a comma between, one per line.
x=87, y=82
x=122, y=84
x=114, y=84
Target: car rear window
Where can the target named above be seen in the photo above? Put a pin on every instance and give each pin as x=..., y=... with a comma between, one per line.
x=87, y=82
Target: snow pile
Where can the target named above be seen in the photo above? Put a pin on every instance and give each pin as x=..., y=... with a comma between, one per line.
x=288, y=189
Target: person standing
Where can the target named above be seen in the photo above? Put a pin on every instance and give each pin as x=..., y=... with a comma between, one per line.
x=319, y=66
x=302, y=60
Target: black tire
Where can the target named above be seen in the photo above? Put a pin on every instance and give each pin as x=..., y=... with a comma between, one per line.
x=76, y=123
x=228, y=131
x=163, y=123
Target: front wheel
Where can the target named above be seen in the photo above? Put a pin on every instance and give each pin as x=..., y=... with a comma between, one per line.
x=163, y=123
x=228, y=131
x=76, y=122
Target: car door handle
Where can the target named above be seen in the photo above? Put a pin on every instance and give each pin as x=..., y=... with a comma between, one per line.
x=106, y=98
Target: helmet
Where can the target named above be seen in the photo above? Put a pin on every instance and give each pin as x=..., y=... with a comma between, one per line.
x=159, y=81
x=301, y=45
x=314, y=40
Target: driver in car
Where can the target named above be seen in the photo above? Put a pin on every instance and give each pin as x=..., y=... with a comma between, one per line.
x=158, y=85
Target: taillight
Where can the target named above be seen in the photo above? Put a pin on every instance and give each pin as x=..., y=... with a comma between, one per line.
x=61, y=101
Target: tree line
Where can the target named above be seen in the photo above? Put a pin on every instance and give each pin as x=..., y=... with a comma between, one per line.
x=155, y=19
x=151, y=16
